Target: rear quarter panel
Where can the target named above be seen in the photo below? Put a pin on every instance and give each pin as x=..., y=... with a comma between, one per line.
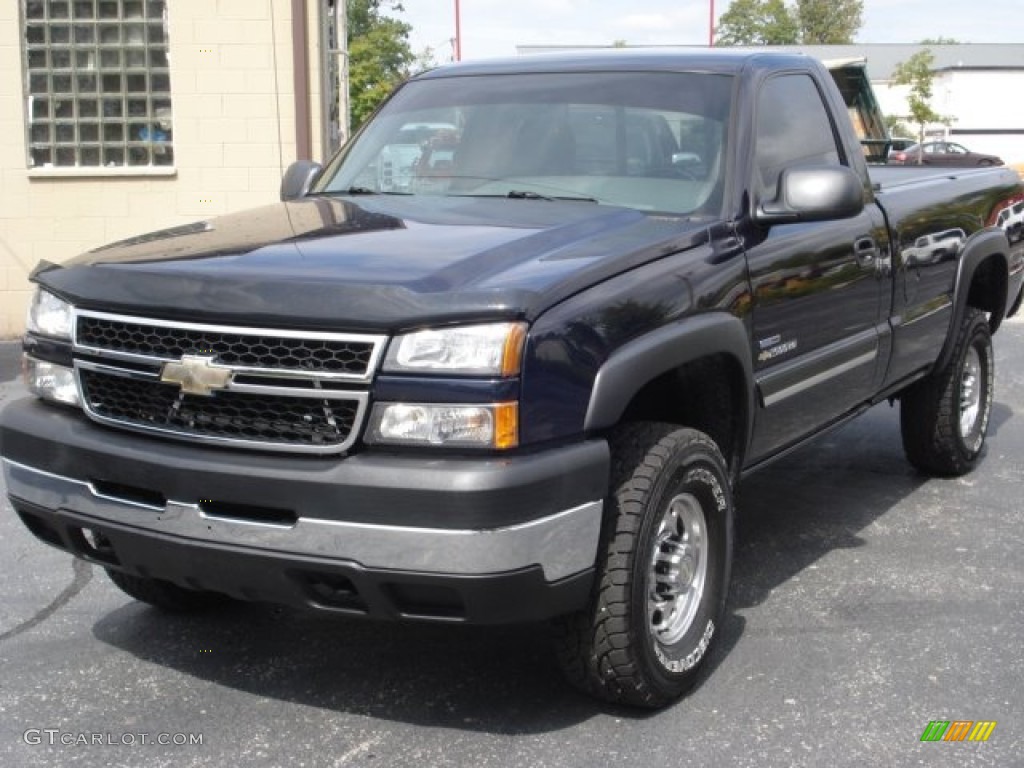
x=943, y=223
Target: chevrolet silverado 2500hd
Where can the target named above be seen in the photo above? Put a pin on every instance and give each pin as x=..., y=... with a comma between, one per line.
x=513, y=370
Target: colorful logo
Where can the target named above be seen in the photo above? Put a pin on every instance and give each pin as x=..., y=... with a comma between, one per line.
x=958, y=730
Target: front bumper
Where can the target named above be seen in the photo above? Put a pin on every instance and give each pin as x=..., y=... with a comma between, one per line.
x=484, y=539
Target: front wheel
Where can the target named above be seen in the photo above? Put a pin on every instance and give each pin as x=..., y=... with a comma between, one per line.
x=944, y=418
x=663, y=574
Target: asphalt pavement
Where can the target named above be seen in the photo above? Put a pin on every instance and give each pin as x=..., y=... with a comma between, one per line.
x=867, y=601
x=10, y=357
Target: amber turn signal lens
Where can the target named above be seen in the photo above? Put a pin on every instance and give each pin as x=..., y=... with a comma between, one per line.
x=506, y=425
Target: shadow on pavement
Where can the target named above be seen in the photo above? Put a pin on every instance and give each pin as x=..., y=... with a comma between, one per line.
x=491, y=679
x=818, y=500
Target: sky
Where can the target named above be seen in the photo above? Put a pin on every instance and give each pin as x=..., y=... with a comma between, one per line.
x=495, y=27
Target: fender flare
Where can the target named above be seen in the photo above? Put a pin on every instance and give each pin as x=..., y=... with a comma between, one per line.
x=640, y=361
x=990, y=243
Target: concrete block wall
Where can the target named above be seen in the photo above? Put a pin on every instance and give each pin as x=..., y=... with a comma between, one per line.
x=233, y=101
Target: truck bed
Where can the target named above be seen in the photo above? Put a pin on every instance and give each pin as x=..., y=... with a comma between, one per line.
x=888, y=177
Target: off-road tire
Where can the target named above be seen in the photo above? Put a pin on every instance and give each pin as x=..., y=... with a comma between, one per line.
x=944, y=417
x=165, y=595
x=647, y=633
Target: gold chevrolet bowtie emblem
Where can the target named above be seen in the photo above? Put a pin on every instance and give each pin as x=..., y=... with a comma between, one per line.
x=196, y=375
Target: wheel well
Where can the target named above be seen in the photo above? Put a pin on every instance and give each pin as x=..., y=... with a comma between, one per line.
x=988, y=289
x=706, y=394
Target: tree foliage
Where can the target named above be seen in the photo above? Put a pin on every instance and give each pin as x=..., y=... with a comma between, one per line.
x=772, y=22
x=916, y=73
x=757, y=22
x=895, y=126
x=829, y=22
x=378, y=53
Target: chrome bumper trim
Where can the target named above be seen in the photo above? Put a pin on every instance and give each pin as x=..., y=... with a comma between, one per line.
x=562, y=544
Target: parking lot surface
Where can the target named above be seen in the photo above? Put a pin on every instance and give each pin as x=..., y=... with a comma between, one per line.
x=867, y=601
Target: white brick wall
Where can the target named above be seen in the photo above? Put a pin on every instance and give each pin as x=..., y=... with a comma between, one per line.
x=234, y=130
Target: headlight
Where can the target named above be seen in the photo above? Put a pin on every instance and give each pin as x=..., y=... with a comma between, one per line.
x=51, y=381
x=476, y=426
x=495, y=349
x=49, y=316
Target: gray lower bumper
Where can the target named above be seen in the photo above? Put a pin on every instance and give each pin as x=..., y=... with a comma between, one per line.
x=480, y=539
x=562, y=544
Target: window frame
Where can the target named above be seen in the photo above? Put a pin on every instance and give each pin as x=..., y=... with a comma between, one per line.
x=763, y=193
x=72, y=125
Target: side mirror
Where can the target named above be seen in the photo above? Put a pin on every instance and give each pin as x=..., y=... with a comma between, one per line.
x=298, y=179
x=817, y=193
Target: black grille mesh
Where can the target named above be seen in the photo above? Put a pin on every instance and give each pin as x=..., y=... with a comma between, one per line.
x=291, y=421
x=270, y=351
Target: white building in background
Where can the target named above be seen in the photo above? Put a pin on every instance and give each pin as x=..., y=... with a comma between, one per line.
x=988, y=109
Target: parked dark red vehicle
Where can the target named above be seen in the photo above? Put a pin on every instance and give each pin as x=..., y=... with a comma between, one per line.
x=942, y=153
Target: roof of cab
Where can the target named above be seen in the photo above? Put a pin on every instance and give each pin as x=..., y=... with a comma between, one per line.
x=717, y=60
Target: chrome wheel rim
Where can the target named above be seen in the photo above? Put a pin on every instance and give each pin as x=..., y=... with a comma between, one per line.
x=678, y=569
x=970, y=393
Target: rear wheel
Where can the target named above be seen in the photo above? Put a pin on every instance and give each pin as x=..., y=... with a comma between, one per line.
x=663, y=573
x=944, y=418
x=165, y=595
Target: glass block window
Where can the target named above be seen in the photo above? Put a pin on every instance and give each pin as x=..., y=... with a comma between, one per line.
x=97, y=83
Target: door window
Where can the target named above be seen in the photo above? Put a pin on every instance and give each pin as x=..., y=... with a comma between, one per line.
x=793, y=129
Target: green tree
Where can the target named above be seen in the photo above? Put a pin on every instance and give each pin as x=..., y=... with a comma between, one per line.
x=829, y=22
x=772, y=22
x=378, y=52
x=757, y=22
x=895, y=126
x=916, y=72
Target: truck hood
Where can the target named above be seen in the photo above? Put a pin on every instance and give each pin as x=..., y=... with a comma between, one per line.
x=371, y=264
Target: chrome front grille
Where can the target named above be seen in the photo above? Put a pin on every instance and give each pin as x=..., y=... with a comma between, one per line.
x=268, y=419
x=278, y=390
x=327, y=353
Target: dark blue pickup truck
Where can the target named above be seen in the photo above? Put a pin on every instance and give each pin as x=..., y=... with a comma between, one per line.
x=506, y=357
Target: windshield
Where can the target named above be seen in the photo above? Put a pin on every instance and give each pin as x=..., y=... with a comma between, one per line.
x=653, y=141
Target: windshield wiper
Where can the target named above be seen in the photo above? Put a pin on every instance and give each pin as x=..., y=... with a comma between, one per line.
x=363, y=191
x=521, y=194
